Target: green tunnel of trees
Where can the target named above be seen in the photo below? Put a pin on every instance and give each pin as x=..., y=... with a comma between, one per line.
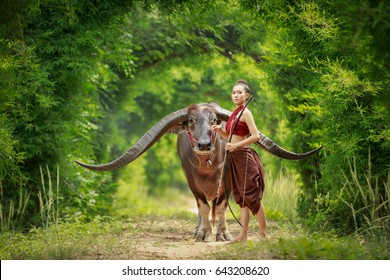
x=85, y=79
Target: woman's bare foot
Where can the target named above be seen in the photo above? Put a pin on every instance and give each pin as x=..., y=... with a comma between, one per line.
x=240, y=238
x=263, y=236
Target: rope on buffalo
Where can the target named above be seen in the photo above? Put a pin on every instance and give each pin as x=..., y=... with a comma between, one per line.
x=213, y=139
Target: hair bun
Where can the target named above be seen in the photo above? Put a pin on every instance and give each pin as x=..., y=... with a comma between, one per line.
x=242, y=82
x=245, y=84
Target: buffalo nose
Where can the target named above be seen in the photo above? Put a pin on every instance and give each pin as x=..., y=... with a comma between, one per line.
x=204, y=146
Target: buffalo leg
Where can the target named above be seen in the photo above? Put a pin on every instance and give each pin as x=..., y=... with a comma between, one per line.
x=223, y=233
x=203, y=231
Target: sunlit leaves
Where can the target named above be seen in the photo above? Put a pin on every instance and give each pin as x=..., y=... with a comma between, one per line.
x=317, y=21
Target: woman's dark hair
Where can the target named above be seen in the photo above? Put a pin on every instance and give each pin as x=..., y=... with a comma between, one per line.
x=244, y=84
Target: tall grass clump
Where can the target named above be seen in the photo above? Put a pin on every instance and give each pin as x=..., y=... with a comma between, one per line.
x=48, y=199
x=280, y=195
x=12, y=212
x=369, y=202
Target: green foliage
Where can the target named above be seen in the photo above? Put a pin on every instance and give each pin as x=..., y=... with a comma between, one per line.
x=356, y=115
x=86, y=79
x=362, y=206
x=54, y=67
x=371, y=205
x=331, y=72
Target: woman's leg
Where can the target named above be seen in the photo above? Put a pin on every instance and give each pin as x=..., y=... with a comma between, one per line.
x=261, y=219
x=245, y=217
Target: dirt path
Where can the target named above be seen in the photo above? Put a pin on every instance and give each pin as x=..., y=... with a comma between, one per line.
x=162, y=238
x=168, y=239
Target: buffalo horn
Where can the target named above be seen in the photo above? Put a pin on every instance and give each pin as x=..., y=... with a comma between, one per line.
x=270, y=146
x=144, y=143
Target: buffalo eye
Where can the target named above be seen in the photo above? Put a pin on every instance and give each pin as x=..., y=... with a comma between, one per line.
x=191, y=121
x=213, y=121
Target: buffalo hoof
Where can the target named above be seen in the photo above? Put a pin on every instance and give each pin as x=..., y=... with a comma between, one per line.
x=208, y=237
x=203, y=236
x=224, y=236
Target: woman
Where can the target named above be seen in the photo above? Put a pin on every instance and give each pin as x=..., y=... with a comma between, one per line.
x=245, y=170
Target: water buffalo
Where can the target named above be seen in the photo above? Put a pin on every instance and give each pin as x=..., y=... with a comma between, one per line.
x=202, y=156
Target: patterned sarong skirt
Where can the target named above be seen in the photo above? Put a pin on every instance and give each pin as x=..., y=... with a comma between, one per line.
x=245, y=177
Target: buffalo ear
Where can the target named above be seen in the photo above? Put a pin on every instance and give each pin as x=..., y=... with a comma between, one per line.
x=212, y=102
x=223, y=115
x=179, y=128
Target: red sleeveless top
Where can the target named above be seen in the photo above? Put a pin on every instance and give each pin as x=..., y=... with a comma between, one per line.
x=241, y=128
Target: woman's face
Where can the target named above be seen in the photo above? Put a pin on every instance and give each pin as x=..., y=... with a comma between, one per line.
x=239, y=96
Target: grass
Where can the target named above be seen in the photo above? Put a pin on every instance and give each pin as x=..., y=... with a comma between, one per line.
x=137, y=214
x=102, y=238
x=110, y=238
x=306, y=248
x=133, y=200
x=67, y=241
x=373, y=217
x=280, y=196
x=291, y=242
x=11, y=213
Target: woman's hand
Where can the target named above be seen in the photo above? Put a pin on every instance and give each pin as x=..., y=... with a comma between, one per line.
x=231, y=146
x=222, y=132
x=216, y=127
